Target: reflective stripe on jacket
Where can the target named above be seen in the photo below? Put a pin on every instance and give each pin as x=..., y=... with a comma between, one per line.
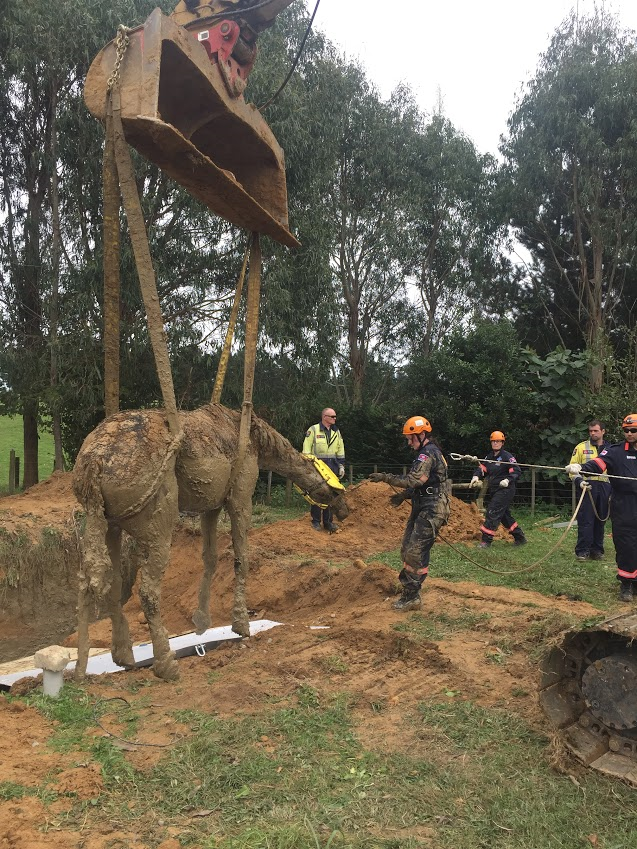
x=324, y=443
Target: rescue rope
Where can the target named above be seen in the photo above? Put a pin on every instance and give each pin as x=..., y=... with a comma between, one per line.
x=471, y=458
x=525, y=568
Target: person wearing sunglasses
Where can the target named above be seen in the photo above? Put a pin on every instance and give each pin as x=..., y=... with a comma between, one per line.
x=590, y=527
x=619, y=460
x=324, y=440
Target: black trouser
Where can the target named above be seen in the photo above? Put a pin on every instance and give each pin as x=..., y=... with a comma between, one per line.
x=428, y=515
x=499, y=501
x=590, y=530
x=315, y=513
x=624, y=519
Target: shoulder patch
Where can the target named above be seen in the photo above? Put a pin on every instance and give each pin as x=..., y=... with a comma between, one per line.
x=512, y=459
x=603, y=453
x=309, y=432
x=423, y=456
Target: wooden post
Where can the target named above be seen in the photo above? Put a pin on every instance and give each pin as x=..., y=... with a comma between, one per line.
x=375, y=467
x=351, y=474
x=11, y=472
x=16, y=480
x=533, y=483
x=404, y=470
x=268, y=494
x=288, y=492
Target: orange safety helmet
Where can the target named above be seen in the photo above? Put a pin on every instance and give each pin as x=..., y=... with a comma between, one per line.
x=497, y=435
x=416, y=424
x=630, y=420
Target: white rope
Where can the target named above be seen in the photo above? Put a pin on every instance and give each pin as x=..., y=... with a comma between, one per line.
x=472, y=458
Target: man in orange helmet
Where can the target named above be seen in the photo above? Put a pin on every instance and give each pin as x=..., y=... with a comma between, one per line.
x=620, y=460
x=502, y=471
x=428, y=486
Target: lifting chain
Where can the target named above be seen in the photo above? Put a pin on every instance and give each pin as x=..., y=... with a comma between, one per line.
x=121, y=43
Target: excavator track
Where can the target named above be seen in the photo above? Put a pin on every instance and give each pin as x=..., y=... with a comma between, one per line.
x=588, y=690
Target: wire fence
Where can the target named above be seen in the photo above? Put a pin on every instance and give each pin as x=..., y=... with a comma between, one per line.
x=533, y=490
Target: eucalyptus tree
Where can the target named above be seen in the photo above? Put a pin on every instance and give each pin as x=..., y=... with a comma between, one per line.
x=46, y=50
x=571, y=156
x=457, y=234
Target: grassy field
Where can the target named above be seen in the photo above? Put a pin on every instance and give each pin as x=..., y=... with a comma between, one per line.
x=11, y=439
x=485, y=781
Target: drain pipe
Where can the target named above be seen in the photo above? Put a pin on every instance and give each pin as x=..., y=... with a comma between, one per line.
x=52, y=661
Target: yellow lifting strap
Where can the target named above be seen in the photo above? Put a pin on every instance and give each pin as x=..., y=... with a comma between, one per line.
x=328, y=476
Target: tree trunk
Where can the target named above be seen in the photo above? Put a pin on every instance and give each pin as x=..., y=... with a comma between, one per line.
x=56, y=242
x=30, y=435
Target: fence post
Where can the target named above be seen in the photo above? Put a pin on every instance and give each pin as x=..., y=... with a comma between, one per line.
x=533, y=483
x=375, y=467
x=17, y=473
x=351, y=474
x=11, y=471
x=288, y=492
x=404, y=470
x=268, y=494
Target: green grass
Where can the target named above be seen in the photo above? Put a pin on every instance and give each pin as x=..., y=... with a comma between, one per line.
x=561, y=574
x=298, y=778
x=11, y=439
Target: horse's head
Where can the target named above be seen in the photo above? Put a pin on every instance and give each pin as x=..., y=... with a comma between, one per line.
x=324, y=488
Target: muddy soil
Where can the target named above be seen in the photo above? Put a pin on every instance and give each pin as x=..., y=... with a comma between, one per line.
x=301, y=578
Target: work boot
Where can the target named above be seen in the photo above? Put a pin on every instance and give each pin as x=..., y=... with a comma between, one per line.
x=582, y=557
x=331, y=527
x=406, y=603
x=520, y=541
x=626, y=591
x=597, y=555
x=316, y=526
x=484, y=544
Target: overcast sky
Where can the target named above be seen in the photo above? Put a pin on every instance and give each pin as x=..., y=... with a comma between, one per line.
x=476, y=54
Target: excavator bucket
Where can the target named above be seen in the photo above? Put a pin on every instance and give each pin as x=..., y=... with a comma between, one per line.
x=182, y=108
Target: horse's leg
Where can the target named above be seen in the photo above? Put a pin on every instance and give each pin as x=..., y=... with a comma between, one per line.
x=154, y=533
x=201, y=616
x=121, y=646
x=240, y=511
x=95, y=575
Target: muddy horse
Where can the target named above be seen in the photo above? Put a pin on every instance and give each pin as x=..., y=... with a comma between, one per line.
x=132, y=475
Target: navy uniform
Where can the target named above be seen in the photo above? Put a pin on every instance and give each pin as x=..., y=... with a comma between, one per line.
x=590, y=528
x=327, y=444
x=621, y=459
x=428, y=486
x=502, y=467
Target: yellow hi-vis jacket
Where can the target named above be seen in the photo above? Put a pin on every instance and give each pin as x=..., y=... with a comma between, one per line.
x=584, y=452
x=327, y=446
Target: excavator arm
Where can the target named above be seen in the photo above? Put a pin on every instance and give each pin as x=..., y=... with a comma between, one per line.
x=180, y=91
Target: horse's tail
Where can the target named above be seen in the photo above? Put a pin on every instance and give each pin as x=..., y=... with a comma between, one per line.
x=95, y=572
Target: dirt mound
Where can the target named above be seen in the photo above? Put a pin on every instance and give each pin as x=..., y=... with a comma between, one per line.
x=338, y=634
x=49, y=504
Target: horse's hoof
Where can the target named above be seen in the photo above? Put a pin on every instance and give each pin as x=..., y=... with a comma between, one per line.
x=201, y=621
x=241, y=628
x=167, y=669
x=125, y=659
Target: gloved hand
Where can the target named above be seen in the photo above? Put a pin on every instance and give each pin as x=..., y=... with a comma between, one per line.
x=573, y=468
x=341, y=471
x=583, y=484
x=475, y=481
x=504, y=483
x=397, y=498
x=377, y=477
